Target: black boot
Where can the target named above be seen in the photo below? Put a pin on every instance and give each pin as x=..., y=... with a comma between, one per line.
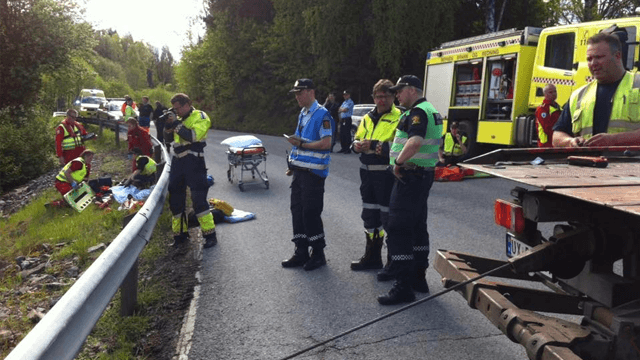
x=317, y=259
x=180, y=240
x=385, y=274
x=299, y=258
x=418, y=281
x=400, y=293
x=371, y=258
x=210, y=240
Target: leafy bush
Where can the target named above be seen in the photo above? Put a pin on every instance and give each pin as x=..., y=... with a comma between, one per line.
x=27, y=145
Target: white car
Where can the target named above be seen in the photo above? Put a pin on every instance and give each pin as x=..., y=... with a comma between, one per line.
x=359, y=111
x=114, y=109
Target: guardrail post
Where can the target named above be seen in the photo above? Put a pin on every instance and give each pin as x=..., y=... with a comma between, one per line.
x=101, y=122
x=117, y=131
x=129, y=291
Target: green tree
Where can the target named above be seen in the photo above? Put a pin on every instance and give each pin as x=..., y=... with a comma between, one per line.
x=36, y=36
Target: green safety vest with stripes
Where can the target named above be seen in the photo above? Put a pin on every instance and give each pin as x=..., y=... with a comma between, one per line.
x=77, y=175
x=625, y=112
x=71, y=141
x=427, y=156
x=150, y=168
x=452, y=148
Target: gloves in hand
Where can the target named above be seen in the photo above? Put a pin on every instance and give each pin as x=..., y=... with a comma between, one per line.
x=75, y=185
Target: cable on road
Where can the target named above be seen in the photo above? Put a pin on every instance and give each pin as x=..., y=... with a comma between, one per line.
x=398, y=311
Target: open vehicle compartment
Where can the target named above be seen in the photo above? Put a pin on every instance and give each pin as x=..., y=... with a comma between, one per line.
x=599, y=214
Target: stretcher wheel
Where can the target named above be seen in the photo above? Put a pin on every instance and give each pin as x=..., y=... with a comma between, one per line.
x=266, y=184
x=241, y=187
x=229, y=176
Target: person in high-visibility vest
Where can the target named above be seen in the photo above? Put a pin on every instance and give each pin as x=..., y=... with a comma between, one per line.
x=604, y=112
x=414, y=154
x=144, y=170
x=188, y=169
x=547, y=115
x=454, y=146
x=126, y=103
x=308, y=163
x=373, y=141
x=74, y=172
x=69, y=142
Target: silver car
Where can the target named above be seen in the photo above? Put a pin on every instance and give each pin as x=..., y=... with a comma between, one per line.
x=359, y=111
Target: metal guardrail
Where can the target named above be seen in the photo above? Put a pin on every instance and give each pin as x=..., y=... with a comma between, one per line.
x=61, y=333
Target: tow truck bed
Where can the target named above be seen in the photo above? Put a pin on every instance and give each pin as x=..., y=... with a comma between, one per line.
x=600, y=210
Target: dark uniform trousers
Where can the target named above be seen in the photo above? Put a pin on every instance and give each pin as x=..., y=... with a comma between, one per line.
x=190, y=171
x=407, y=228
x=375, y=190
x=307, y=202
x=345, y=133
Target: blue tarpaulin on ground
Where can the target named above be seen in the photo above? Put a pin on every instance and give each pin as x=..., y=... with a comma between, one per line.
x=121, y=193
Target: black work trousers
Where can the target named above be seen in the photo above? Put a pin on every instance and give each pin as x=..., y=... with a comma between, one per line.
x=408, y=240
x=345, y=133
x=375, y=191
x=307, y=202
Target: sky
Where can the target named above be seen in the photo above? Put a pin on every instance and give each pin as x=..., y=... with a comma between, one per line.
x=159, y=22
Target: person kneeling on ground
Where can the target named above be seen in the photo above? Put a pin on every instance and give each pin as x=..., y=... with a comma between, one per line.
x=144, y=170
x=75, y=172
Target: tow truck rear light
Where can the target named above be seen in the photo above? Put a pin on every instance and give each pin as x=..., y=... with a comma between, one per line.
x=509, y=215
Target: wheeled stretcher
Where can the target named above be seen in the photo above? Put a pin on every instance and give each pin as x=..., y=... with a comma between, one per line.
x=248, y=158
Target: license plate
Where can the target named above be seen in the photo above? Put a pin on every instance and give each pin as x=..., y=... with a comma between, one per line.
x=515, y=247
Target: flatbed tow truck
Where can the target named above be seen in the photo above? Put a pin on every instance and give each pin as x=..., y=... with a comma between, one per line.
x=590, y=263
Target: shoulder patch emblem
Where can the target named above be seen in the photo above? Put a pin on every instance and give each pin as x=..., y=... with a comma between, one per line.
x=544, y=115
x=326, y=124
x=415, y=120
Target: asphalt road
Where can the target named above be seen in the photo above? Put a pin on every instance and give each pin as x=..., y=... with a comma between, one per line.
x=252, y=308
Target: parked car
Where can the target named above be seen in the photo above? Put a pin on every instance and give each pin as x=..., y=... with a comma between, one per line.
x=359, y=111
x=89, y=101
x=113, y=109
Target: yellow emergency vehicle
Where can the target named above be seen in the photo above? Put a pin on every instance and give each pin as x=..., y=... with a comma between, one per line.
x=492, y=83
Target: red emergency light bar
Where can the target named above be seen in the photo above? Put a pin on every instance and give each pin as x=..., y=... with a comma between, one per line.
x=509, y=215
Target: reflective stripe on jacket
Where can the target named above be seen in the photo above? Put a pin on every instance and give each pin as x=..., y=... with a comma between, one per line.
x=315, y=160
x=452, y=148
x=625, y=112
x=71, y=141
x=77, y=175
x=427, y=156
x=150, y=168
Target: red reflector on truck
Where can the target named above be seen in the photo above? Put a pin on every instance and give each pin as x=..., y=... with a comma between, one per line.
x=509, y=215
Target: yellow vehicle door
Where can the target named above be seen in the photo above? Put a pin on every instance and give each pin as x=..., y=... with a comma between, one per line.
x=556, y=63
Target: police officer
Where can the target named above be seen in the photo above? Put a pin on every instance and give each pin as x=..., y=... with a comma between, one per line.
x=188, y=168
x=309, y=165
x=346, y=111
x=373, y=141
x=601, y=113
x=414, y=154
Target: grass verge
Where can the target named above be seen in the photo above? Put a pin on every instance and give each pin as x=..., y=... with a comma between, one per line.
x=60, y=239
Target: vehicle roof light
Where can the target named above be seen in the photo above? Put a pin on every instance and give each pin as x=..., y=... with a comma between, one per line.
x=509, y=215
